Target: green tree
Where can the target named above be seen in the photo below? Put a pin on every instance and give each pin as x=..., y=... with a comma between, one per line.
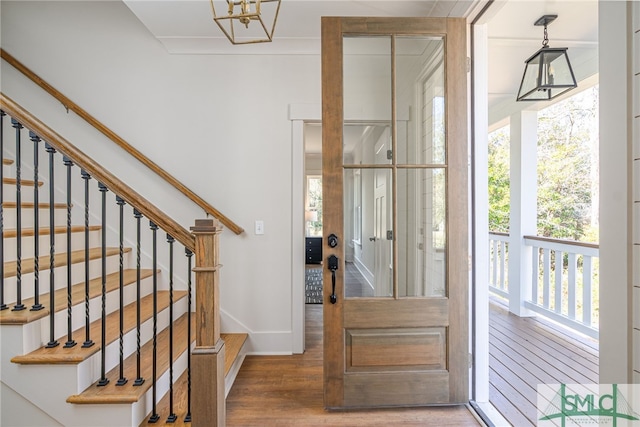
x=567, y=167
x=499, y=198
x=567, y=170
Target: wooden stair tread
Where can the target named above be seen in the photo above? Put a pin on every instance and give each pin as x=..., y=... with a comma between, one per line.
x=111, y=393
x=76, y=354
x=45, y=231
x=25, y=182
x=7, y=161
x=77, y=296
x=10, y=268
x=233, y=344
x=31, y=205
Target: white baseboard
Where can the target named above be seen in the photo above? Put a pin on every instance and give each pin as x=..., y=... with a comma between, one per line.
x=368, y=275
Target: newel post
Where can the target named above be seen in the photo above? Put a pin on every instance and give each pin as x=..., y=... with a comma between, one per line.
x=208, y=405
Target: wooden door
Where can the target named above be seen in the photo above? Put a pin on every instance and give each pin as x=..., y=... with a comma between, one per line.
x=401, y=344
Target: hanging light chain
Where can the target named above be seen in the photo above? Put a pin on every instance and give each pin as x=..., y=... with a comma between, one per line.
x=545, y=41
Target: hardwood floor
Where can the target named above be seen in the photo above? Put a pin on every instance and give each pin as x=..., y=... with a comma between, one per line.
x=287, y=391
x=525, y=352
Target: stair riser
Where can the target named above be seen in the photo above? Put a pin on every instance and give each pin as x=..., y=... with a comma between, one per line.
x=95, y=312
x=36, y=334
x=27, y=244
x=89, y=370
x=9, y=192
x=27, y=220
x=142, y=408
x=60, y=277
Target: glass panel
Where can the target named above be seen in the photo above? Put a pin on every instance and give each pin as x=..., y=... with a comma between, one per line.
x=367, y=98
x=421, y=232
x=313, y=210
x=368, y=270
x=420, y=100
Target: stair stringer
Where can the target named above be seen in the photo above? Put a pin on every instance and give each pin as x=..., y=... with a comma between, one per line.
x=33, y=416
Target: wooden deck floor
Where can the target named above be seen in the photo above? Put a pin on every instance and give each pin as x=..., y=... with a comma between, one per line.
x=525, y=352
x=287, y=391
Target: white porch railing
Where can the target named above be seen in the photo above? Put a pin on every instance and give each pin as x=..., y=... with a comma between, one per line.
x=564, y=276
x=499, y=261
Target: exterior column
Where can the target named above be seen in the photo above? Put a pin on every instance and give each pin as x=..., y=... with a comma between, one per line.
x=523, y=217
x=208, y=405
x=616, y=114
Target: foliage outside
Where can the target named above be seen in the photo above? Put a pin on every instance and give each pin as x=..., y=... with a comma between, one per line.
x=314, y=204
x=567, y=193
x=567, y=171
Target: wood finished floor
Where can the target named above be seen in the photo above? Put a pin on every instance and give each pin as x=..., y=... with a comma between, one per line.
x=525, y=352
x=287, y=391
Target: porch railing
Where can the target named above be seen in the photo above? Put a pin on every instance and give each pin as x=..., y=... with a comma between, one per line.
x=498, y=267
x=563, y=284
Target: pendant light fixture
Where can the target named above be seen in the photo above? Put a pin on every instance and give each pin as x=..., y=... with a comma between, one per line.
x=246, y=21
x=547, y=72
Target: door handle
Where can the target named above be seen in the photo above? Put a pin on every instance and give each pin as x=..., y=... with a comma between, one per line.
x=372, y=239
x=333, y=266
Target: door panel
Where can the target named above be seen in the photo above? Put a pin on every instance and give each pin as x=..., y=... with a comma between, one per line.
x=396, y=349
x=395, y=187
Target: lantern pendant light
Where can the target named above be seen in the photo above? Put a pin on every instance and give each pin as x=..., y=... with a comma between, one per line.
x=547, y=72
x=246, y=21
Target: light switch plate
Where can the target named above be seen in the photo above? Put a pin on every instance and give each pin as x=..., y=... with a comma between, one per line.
x=259, y=227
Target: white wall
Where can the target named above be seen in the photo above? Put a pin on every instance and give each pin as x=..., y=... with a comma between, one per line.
x=217, y=123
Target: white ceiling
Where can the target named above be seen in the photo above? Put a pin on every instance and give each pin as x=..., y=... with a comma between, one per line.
x=187, y=27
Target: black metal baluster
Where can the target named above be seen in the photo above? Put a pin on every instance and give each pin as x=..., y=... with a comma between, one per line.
x=52, y=240
x=70, y=342
x=139, y=380
x=172, y=416
x=3, y=306
x=154, y=414
x=88, y=342
x=19, y=305
x=36, y=227
x=189, y=254
x=122, y=380
x=103, y=376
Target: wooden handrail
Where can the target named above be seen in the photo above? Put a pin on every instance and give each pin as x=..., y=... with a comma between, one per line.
x=98, y=172
x=70, y=105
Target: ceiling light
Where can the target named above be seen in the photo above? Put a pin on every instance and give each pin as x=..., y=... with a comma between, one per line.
x=548, y=72
x=246, y=21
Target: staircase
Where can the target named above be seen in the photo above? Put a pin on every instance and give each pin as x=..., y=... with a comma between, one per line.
x=111, y=345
